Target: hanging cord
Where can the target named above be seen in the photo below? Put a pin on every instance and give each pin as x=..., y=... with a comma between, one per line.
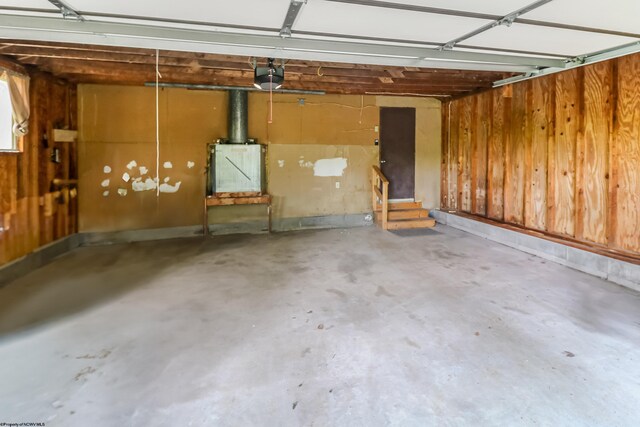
x=361, y=108
x=270, y=96
x=158, y=75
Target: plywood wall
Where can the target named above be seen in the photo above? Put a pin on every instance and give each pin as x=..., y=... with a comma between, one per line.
x=32, y=212
x=117, y=125
x=558, y=154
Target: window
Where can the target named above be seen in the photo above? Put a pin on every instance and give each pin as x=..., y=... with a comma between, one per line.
x=7, y=139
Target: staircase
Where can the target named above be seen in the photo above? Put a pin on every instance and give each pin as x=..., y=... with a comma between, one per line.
x=405, y=215
x=396, y=216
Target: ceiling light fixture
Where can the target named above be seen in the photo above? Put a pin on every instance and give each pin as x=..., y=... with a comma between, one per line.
x=269, y=77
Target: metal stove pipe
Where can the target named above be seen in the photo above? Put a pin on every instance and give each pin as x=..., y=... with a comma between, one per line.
x=238, y=116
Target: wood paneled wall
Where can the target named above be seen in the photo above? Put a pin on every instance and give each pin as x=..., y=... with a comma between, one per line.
x=558, y=154
x=32, y=211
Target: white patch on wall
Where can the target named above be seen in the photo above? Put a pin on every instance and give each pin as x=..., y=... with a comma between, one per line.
x=166, y=179
x=122, y=191
x=190, y=164
x=304, y=164
x=126, y=177
x=167, y=165
x=105, y=193
x=105, y=183
x=132, y=164
x=168, y=188
x=143, y=170
x=139, y=185
x=106, y=169
x=330, y=167
x=337, y=184
x=281, y=163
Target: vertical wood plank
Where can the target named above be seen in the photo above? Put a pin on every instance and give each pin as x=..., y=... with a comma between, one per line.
x=480, y=145
x=454, y=126
x=536, y=155
x=514, y=158
x=562, y=155
x=495, y=157
x=593, y=153
x=626, y=154
x=464, y=154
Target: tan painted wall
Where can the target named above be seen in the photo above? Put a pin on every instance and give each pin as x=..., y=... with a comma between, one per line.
x=117, y=125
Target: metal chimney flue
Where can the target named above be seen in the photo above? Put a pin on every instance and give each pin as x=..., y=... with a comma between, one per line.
x=237, y=163
x=238, y=117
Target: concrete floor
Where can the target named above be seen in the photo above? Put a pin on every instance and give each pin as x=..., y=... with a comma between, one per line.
x=336, y=327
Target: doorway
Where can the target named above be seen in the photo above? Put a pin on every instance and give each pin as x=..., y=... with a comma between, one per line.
x=398, y=150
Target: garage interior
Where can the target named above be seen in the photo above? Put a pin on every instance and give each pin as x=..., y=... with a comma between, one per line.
x=320, y=212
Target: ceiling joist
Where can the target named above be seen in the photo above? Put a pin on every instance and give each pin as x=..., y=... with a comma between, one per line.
x=120, y=65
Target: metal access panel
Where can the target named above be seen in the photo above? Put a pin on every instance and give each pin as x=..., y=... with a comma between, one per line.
x=238, y=168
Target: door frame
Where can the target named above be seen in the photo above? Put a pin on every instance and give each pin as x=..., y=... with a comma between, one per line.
x=413, y=151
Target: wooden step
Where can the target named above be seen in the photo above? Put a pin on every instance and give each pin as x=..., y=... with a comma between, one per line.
x=411, y=223
x=399, y=206
x=405, y=214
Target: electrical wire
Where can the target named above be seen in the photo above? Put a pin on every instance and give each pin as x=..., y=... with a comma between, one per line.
x=270, y=96
x=157, y=123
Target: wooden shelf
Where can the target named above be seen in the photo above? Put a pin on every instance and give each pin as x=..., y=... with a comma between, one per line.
x=65, y=135
x=228, y=201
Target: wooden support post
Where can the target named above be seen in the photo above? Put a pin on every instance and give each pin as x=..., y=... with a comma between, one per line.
x=385, y=205
x=374, y=198
x=205, y=224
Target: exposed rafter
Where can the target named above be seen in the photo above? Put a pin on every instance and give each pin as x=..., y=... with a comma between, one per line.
x=80, y=63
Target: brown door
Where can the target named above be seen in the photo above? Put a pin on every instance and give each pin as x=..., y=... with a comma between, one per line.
x=398, y=150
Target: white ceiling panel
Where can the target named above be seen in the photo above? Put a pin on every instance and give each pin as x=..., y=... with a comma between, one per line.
x=36, y=4
x=498, y=52
x=491, y=7
x=340, y=18
x=240, y=12
x=181, y=25
x=549, y=40
x=618, y=15
x=46, y=14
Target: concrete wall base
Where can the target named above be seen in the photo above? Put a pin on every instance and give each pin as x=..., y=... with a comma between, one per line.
x=620, y=272
x=126, y=236
x=38, y=258
x=48, y=253
x=292, y=224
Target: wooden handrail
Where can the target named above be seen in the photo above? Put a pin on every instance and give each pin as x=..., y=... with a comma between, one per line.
x=379, y=180
x=377, y=171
